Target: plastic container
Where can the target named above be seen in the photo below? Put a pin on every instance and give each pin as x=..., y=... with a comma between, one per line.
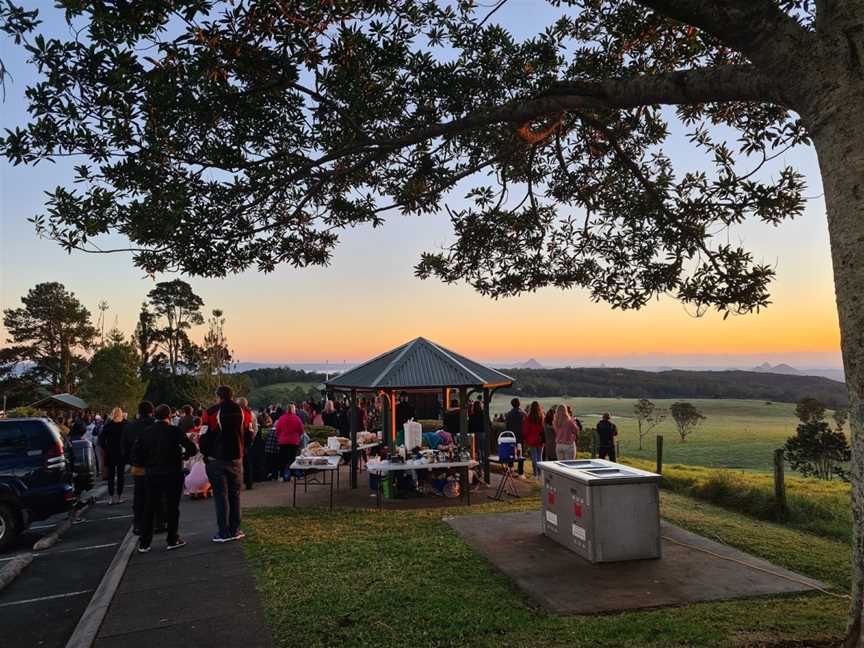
x=506, y=446
x=413, y=434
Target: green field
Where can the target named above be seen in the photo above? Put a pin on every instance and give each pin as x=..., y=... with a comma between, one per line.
x=735, y=434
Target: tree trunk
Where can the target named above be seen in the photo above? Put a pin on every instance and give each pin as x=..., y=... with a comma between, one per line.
x=840, y=147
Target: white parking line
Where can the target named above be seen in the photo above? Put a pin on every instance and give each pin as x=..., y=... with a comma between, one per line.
x=62, y=551
x=44, y=598
x=101, y=546
x=36, y=527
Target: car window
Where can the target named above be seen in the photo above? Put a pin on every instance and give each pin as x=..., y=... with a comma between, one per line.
x=13, y=440
x=43, y=434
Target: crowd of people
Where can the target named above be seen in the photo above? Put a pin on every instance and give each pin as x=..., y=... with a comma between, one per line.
x=554, y=435
x=158, y=440
x=154, y=446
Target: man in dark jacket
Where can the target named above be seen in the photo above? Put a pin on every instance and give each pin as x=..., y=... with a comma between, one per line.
x=606, y=433
x=161, y=449
x=223, y=452
x=513, y=422
x=131, y=432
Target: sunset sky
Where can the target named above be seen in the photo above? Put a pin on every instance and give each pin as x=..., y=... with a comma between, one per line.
x=368, y=299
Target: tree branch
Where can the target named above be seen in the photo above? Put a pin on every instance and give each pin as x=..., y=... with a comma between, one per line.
x=727, y=83
x=753, y=27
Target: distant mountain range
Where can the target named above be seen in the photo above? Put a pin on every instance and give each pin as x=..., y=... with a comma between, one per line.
x=531, y=363
x=630, y=383
x=788, y=370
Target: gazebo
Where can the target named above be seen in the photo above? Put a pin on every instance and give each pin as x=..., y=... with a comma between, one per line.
x=420, y=366
x=61, y=401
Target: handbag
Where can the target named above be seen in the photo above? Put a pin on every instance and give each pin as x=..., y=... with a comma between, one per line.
x=138, y=471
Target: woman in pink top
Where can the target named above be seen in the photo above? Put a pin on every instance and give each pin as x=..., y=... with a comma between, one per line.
x=289, y=429
x=566, y=433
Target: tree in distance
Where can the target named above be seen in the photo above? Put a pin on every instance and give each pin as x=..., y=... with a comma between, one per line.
x=112, y=378
x=176, y=309
x=687, y=418
x=817, y=450
x=647, y=418
x=262, y=129
x=53, y=331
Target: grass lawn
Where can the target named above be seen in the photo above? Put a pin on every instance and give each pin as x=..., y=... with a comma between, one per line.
x=735, y=434
x=405, y=578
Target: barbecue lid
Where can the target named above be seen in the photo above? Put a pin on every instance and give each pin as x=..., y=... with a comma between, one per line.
x=598, y=471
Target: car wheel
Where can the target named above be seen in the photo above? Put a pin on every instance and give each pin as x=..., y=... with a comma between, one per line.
x=8, y=526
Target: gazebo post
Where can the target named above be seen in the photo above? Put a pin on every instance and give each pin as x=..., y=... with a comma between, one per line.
x=463, y=416
x=392, y=440
x=354, y=423
x=487, y=433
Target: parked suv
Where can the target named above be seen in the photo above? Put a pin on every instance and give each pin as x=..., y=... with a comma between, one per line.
x=35, y=476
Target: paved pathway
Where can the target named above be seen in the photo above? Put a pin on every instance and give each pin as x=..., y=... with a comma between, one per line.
x=200, y=595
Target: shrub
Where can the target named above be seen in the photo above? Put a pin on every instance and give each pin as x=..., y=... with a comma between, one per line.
x=814, y=506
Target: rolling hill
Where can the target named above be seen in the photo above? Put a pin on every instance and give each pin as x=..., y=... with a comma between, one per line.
x=631, y=383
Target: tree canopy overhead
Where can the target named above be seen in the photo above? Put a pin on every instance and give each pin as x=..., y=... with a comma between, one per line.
x=218, y=136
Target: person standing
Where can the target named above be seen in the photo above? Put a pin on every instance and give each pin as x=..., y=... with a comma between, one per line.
x=532, y=431
x=289, y=429
x=187, y=421
x=111, y=444
x=330, y=416
x=250, y=431
x=567, y=431
x=404, y=412
x=222, y=447
x=549, y=453
x=606, y=433
x=161, y=450
x=301, y=412
x=513, y=422
x=131, y=432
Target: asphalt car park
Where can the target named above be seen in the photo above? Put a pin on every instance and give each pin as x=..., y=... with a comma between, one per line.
x=41, y=607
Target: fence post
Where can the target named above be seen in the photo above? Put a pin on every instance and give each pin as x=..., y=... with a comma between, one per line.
x=779, y=484
x=659, y=454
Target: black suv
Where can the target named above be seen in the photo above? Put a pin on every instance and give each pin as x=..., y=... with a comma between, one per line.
x=35, y=476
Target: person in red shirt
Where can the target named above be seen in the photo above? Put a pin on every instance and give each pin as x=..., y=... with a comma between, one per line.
x=532, y=433
x=289, y=429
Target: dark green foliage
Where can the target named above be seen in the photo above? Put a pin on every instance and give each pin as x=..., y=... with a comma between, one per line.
x=219, y=136
x=175, y=310
x=183, y=389
x=273, y=375
x=686, y=417
x=817, y=449
x=51, y=332
x=112, y=378
x=280, y=393
x=630, y=383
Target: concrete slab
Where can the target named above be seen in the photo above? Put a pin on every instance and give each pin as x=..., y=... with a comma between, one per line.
x=692, y=569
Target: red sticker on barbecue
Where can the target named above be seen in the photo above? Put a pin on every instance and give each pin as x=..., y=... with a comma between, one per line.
x=551, y=497
x=577, y=509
